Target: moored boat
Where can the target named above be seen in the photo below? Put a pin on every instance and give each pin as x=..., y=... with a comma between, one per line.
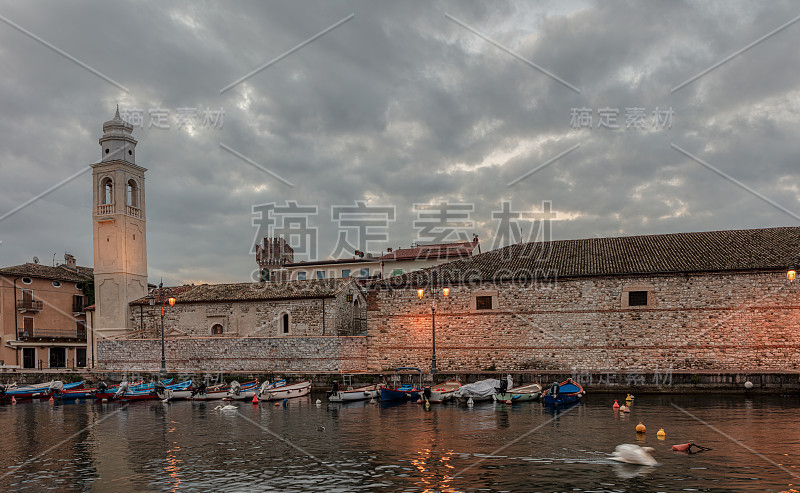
x=285, y=392
x=355, y=394
x=247, y=390
x=404, y=392
x=482, y=390
x=174, y=392
x=566, y=392
x=436, y=394
x=523, y=393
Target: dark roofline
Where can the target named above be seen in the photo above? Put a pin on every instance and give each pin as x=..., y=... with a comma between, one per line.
x=332, y=262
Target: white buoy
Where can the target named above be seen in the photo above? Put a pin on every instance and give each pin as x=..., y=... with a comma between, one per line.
x=470, y=402
x=319, y=403
x=748, y=385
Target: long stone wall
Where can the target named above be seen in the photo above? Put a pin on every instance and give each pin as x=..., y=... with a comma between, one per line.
x=714, y=321
x=225, y=354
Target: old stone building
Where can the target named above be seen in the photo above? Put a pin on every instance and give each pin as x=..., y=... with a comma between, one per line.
x=273, y=326
x=715, y=300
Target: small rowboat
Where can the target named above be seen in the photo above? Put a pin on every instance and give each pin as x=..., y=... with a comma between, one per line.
x=442, y=392
x=565, y=392
x=523, y=393
x=174, y=392
x=143, y=392
x=246, y=391
x=285, y=392
x=357, y=394
x=403, y=392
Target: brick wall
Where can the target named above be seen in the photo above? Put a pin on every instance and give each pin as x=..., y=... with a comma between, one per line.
x=714, y=321
x=257, y=354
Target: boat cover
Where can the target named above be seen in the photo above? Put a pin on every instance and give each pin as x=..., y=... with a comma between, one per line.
x=478, y=390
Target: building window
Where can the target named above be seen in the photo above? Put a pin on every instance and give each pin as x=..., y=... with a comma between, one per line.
x=77, y=304
x=56, y=284
x=79, y=286
x=217, y=329
x=397, y=272
x=80, y=357
x=364, y=272
x=301, y=276
x=320, y=274
x=348, y=297
x=637, y=298
x=483, y=302
x=345, y=272
x=285, y=323
x=27, y=280
x=264, y=275
x=27, y=326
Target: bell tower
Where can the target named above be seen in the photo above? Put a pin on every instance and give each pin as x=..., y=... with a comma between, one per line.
x=118, y=213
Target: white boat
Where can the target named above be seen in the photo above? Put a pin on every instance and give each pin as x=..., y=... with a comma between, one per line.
x=442, y=392
x=478, y=391
x=530, y=392
x=357, y=394
x=285, y=392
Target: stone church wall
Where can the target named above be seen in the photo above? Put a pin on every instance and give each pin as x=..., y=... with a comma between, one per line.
x=714, y=321
x=227, y=354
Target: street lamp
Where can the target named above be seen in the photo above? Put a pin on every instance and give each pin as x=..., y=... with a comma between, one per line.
x=420, y=294
x=162, y=299
x=791, y=274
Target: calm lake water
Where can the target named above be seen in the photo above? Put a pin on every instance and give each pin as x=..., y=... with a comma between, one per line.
x=185, y=446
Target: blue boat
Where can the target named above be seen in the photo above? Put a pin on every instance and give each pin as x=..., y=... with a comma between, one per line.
x=402, y=392
x=566, y=392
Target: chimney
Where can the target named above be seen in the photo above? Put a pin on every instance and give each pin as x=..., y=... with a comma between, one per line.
x=69, y=261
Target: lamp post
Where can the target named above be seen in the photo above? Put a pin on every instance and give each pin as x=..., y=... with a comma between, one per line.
x=420, y=294
x=791, y=274
x=163, y=300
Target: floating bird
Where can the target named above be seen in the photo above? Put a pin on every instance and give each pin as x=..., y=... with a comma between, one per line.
x=634, y=454
x=227, y=407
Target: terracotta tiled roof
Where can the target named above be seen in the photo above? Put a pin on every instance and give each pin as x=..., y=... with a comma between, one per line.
x=60, y=273
x=437, y=251
x=710, y=251
x=315, y=288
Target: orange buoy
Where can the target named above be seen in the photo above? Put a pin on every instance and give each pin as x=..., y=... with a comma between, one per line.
x=255, y=399
x=13, y=400
x=616, y=404
x=277, y=404
x=640, y=428
x=51, y=398
x=684, y=447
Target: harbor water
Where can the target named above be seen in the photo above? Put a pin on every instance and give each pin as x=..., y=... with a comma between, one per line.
x=363, y=446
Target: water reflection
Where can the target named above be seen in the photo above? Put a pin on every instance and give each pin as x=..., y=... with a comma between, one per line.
x=188, y=446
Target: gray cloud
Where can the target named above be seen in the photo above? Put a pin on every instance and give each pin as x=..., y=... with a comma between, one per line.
x=398, y=106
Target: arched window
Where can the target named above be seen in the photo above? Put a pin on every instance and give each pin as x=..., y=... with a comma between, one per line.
x=285, y=323
x=133, y=193
x=217, y=329
x=107, y=191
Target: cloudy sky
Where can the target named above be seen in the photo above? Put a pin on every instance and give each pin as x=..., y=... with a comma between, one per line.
x=396, y=104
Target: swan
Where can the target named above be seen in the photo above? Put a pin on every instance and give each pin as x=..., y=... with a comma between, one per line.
x=634, y=454
x=228, y=407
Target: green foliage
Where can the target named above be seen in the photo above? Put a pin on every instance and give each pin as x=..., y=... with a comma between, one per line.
x=88, y=291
